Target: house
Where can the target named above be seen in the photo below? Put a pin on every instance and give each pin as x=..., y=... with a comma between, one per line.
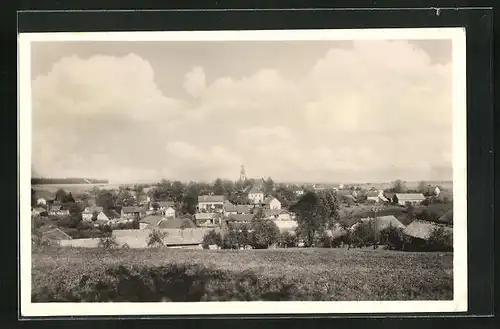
x=437, y=190
x=380, y=222
x=164, y=205
x=206, y=219
x=230, y=209
x=210, y=203
x=132, y=212
x=389, y=196
x=56, y=234
x=299, y=192
x=277, y=214
x=149, y=220
x=286, y=225
x=240, y=219
x=88, y=212
x=39, y=211
x=408, y=198
x=57, y=210
x=372, y=196
x=272, y=203
x=189, y=238
x=107, y=215
x=255, y=195
x=447, y=218
x=170, y=212
x=421, y=230
x=179, y=223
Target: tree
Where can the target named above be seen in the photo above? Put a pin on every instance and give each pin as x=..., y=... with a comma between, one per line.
x=398, y=186
x=211, y=238
x=422, y=187
x=155, y=206
x=189, y=204
x=315, y=213
x=124, y=199
x=177, y=190
x=230, y=240
x=217, y=187
x=69, y=198
x=259, y=214
x=33, y=198
x=105, y=199
x=61, y=196
x=264, y=234
x=288, y=240
x=156, y=238
x=392, y=238
x=268, y=185
x=107, y=242
x=75, y=209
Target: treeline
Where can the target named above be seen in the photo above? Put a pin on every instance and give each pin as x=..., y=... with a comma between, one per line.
x=35, y=181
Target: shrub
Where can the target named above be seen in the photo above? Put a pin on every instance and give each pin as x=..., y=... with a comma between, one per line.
x=391, y=238
x=264, y=234
x=288, y=240
x=363, y=235
x=440, y=239
x=155, y=238
x=211, y=238
x=107, y=242
x=230, y=240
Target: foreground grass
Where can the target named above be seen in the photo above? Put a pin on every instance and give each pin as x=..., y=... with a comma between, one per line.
x=91, y=275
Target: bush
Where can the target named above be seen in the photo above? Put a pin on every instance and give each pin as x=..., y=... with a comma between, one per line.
x=440, y=239
x=107, y=242
x=264, y=234
x=155, y=238
x=288, y=240
x=392, y=238
x=230, y=240
x=363, y=235
x=211, y=238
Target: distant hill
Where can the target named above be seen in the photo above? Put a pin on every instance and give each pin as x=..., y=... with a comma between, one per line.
x=73, y=180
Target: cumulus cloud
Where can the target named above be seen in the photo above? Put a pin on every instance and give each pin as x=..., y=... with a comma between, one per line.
x=377, y=111
x=194, y=82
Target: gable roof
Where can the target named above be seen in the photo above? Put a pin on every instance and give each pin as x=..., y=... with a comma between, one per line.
x=166, y=204
x=447, y=217
x=204, y=215
x=172, y=224
x=410, y=196
x=91, y=209
x=240, y=218
x=56, y=208
x=372, y=194
x=56, y=234
x=111, y=214
x=40, y=209
x=151, y=219
x=211, y=198
x=254, y=190
x=126, y=210
x=422, y=229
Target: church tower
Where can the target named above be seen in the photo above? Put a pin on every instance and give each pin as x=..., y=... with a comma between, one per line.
x=243, y=176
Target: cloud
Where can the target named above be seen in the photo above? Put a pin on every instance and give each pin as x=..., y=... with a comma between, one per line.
x=195, y=81
x=379, y=110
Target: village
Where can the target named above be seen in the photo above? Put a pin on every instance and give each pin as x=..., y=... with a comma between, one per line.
x=214, y=216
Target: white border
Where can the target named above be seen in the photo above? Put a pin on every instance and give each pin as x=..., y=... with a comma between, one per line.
x=458, y=304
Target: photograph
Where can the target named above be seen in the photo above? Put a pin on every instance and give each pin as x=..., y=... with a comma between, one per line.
x=249, y=172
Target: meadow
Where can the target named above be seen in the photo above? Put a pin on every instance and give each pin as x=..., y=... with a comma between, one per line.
x=140, y=275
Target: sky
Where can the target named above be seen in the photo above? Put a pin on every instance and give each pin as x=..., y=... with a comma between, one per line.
x=308, y=111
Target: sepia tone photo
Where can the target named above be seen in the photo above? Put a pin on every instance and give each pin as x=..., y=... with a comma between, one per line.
x=324, y=169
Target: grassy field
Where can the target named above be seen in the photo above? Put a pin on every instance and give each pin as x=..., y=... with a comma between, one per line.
x=70, y=274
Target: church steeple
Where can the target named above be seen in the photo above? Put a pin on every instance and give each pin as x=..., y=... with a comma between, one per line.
x=243, y=176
